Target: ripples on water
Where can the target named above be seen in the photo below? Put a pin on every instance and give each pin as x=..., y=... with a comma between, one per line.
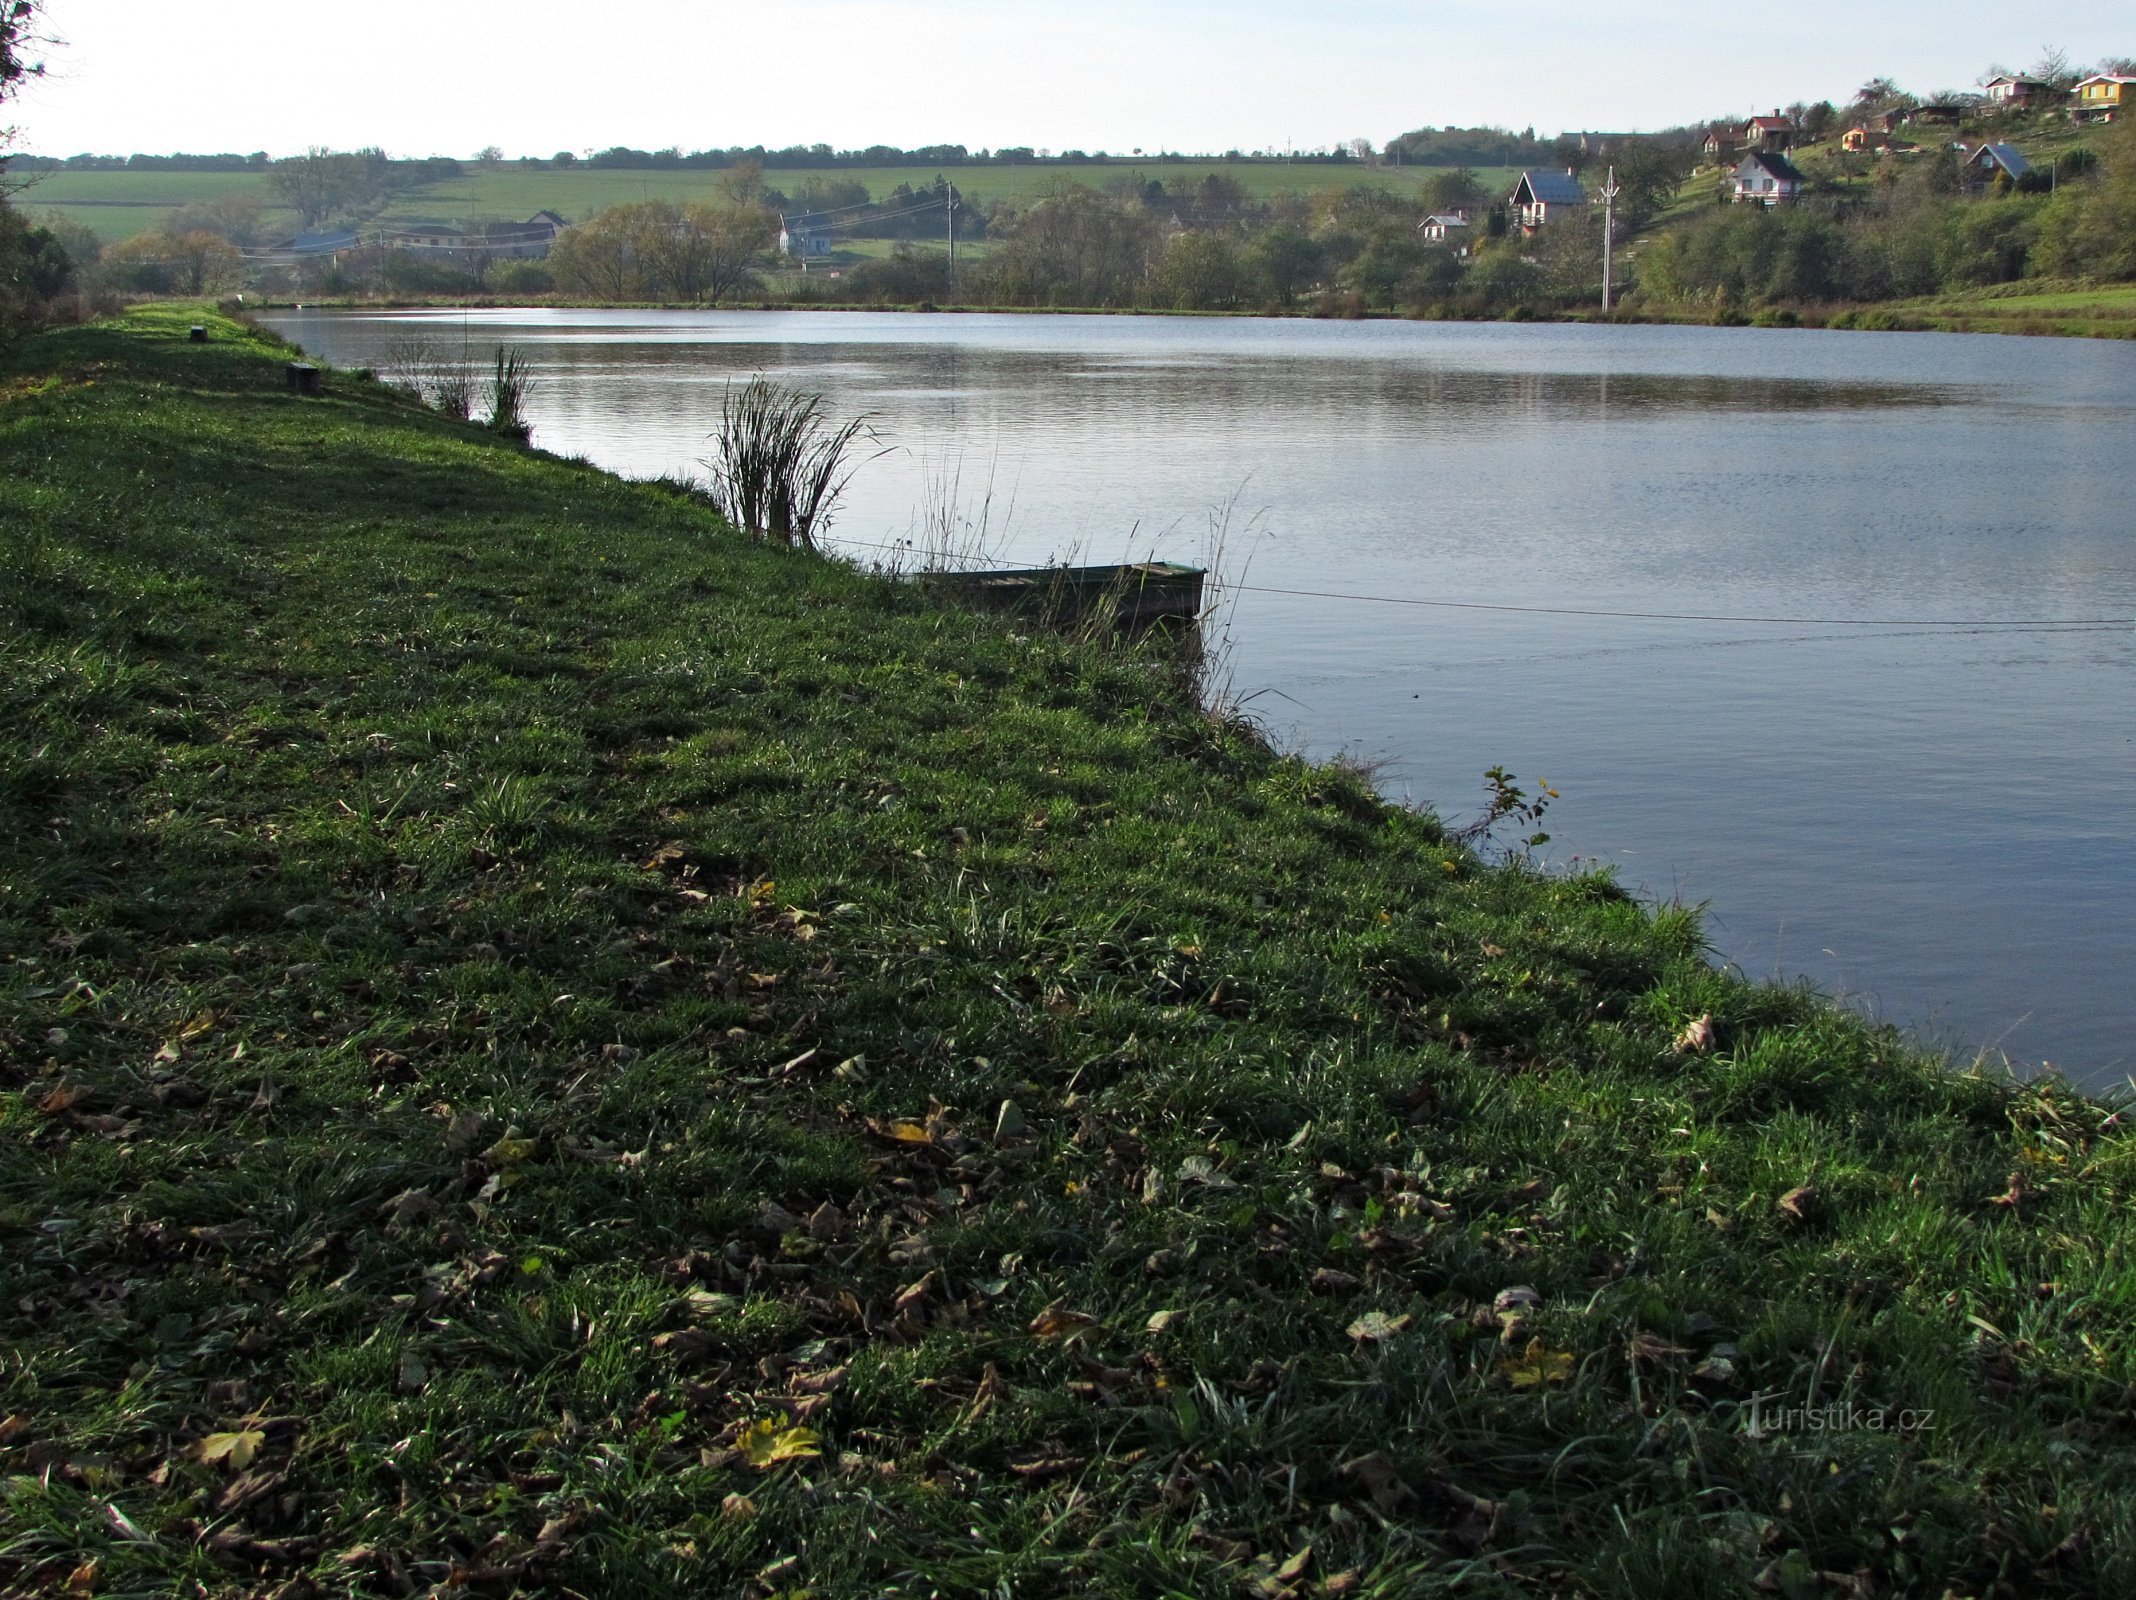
x=1938, y=824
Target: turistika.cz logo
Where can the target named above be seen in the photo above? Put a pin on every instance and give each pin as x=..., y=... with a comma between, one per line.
x=1762, y=1419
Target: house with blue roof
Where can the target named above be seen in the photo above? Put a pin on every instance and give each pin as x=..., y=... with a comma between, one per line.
x=1991, y=161
x=1541, y=196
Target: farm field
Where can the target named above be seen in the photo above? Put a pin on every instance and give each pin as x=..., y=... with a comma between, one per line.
x=117, y=205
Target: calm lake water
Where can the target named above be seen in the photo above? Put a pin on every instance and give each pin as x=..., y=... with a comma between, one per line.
x=1936, y=824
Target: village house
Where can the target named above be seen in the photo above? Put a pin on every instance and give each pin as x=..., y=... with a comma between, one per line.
x=1721, y=141
x=2102, y=96
x=1990, y=161
x=805, y=235
x=1767, y=179
x=1541, y=196
x=1448, y=228
x=2008, y=92
x=1776, y=133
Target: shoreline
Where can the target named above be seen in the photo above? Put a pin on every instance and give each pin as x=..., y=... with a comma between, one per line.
x=1943, y=315
x=545, y=1043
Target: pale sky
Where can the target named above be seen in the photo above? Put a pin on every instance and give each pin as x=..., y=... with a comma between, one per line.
x=538, y=76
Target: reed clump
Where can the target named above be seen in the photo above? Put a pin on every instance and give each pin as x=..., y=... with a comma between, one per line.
x=780, y=465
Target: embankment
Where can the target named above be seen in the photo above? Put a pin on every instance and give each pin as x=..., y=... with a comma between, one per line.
x=545, y=1046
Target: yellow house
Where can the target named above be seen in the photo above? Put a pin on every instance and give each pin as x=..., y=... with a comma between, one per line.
x=2102, y=96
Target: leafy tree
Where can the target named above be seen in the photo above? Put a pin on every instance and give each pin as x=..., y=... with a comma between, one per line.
x=323, y=184
x=1285, y=261
x=1076, y=248
x=1456, y=190
x=700, y=252
x=1201, y=271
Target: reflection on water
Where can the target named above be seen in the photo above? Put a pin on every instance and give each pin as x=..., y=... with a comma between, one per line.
x=1938, y=823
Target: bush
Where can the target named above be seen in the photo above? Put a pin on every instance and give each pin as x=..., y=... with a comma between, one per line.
x=522, y=277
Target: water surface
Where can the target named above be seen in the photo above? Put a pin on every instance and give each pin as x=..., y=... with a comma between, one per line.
x=1937, y=824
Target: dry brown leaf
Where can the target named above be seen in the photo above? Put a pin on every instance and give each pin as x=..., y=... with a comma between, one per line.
x=829, y=1381
x=737, y=1508
x=1331, y=1280
x=912, y=1294
x=1800, y=1204
x=1057, y=1322
x=1652, y=1350
x=1379, y=1478
x=61, y=1099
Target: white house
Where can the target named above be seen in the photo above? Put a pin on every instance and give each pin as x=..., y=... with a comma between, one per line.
x=1540, y=196
x=1766, y=178
x=1446, y=227
x=805, y=234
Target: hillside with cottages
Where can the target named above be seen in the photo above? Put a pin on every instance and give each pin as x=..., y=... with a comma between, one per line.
x=1806, y=212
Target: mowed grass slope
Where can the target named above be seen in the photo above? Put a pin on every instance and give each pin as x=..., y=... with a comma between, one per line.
x=118, y=205
x=544, y=1048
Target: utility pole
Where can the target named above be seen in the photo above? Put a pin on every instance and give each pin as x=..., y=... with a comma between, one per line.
x=952, y=209
x=1610, y=191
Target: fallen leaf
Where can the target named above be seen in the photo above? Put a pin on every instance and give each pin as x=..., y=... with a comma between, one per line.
x=1652, y=1350
x=414, y=1372
x=1201, y=1170
x=828, y=1381
x=1535, y=1366
x=764, y=1444
x=737, y=1508
x=1697, y=1038
x=1161, y=1320
x=1332, y=1280
x=901, y=1131
x=1380, y=1479
x=235, y=1450
x=1294, y=1569
x=1057, y=1322
x=1801, y=1204
x=61, y=1099
x=912, y=1294
x=203, y=1022
x=1375, y=1326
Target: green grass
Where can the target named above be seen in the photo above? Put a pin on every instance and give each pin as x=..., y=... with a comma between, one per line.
x=508, y=995
x=118, y=205
x=2098, y=311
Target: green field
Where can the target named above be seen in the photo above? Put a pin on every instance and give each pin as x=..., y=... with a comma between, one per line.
x=548, y=1048
x=117, y=205
x=2105, y=311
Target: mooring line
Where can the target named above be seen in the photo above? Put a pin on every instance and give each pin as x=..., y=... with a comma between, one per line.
x=2014, y=623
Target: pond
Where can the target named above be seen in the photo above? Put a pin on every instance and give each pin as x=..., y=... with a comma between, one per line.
x=1830, y=633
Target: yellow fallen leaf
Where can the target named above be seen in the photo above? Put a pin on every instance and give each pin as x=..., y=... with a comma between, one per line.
x=202, y=1023
x=508, y=1151
x=1374, y=1326
x=238, y=1449
x=1536, y=1365
x=764, y=1444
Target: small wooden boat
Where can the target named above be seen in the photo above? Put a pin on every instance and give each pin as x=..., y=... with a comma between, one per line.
x=1130, y=598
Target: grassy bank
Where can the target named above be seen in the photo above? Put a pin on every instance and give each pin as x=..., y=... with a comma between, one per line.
x=544, y=1047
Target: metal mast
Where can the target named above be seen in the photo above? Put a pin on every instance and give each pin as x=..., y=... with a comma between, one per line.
x=1610, y=191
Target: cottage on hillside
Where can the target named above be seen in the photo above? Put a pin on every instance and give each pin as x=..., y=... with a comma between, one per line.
x=2102, y=97
x=1721, y=140
x=1767, y=179
x=1448, y=228
x=1541, y=196
x=1775, y=133
x=2009, y=92
x=805, y=235
x=1992, y=160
